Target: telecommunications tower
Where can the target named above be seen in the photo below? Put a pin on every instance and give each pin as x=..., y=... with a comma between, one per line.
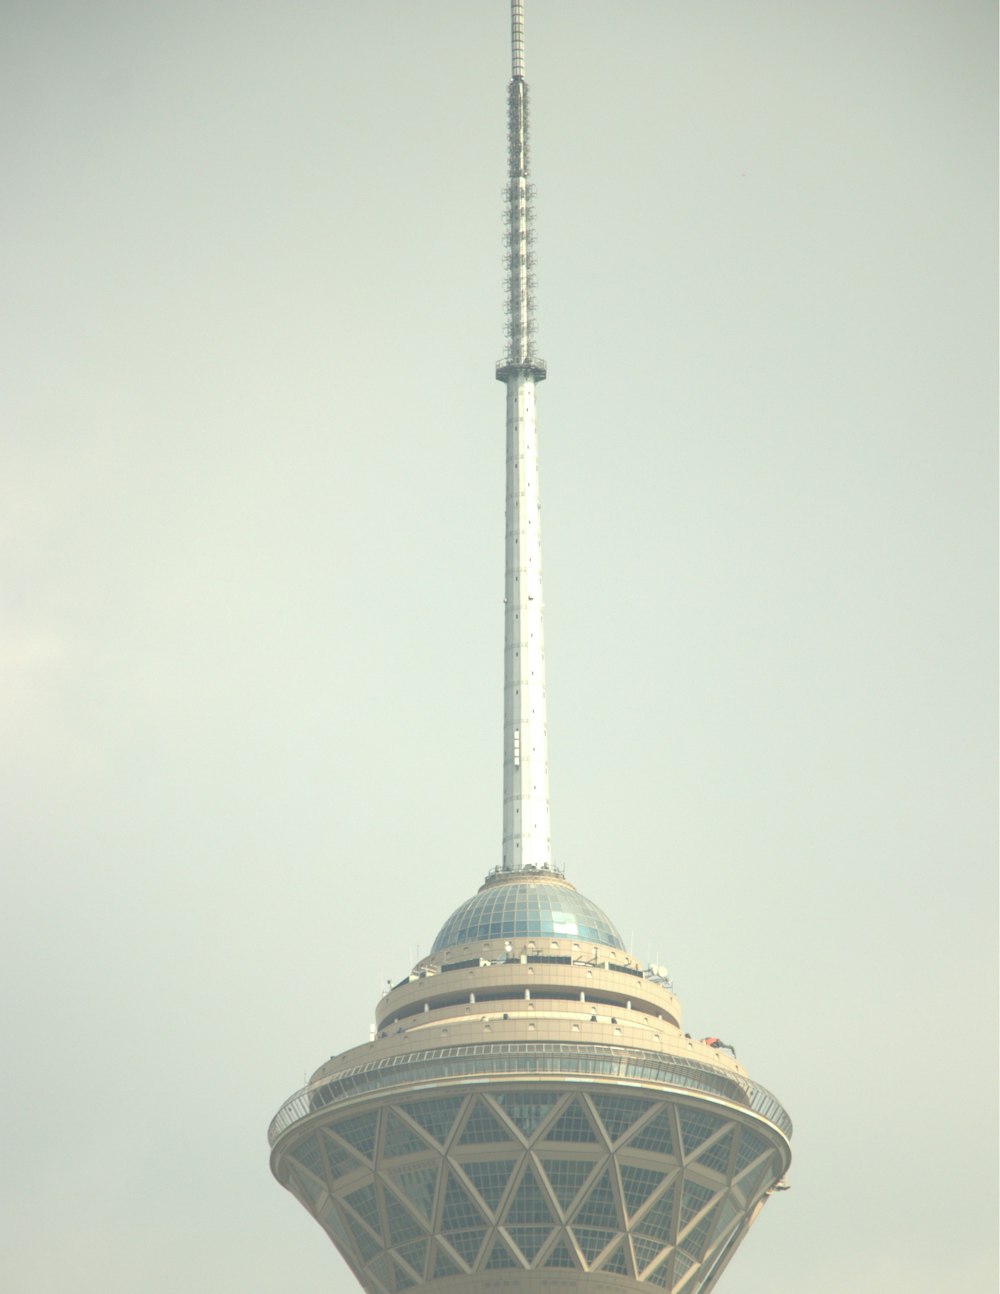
x=529, y=1114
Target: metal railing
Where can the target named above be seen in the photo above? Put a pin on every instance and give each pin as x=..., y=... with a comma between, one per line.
x=559, y=1060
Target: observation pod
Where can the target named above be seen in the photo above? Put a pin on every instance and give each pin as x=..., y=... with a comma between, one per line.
x=530, y=1114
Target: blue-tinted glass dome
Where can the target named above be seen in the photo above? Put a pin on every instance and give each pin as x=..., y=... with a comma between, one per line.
x=513, y=909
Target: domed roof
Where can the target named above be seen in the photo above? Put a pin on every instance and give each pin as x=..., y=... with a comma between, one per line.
x=515, y=905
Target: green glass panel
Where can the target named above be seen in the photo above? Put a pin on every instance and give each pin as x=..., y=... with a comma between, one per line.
x=657, y=1223
x=400, y=1139
x=490, y=1178
x=341, y=1160
x=561, y=1256
x=645, y=1251
x=572, y=1125
x=444, y=1265
x=467, y=1244
x=696, y=1127
x=524, y=1111
x=529, y=1239
x=483, y=1128
x=566, y=1176
x=660, y=1275
x=717, y=1154
x=365, y=1205
x=618, y=1113
x=402, y=1225
x=694, y=1197
x=307, y=1154
x=592, y=1240
x=600, y=1206
x=500, y=1256
x=656, y=1135
x=436, y=1117
x=529, y=1204
x=359, y=1132
x=638, y=1184
x=403, y=1278
x=682, y=1265
x=418, y=1185
x=616, y=1262
x=727, y=1211
x=415, y=1254
x=459, y=1210
x=751, y=1147
x=334, y=1225
x=694, y=1242
x=366, y=1245
x=382, y=1270
x=306, y=1186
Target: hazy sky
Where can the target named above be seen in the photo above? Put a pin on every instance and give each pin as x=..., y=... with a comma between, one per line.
x=253, y=580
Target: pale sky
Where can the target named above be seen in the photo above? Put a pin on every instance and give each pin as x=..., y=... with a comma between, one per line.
x=253, y=578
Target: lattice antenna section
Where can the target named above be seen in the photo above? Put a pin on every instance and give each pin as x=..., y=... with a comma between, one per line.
x=518, y=194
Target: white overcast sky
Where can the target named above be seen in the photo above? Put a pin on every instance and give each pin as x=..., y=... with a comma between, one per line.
x=253, y=577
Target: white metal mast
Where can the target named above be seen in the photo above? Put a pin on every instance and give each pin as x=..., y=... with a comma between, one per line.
x=526, y=831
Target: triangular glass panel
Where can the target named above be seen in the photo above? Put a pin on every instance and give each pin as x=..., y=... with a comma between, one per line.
x=529, y=1239
x=751, y=1182
x=656, y=1135
x=572, y=1125
x=682, y=1265
x=661, y=1274
x=366, y=1245
x=526, y=1112
x=694, y=1242
x=401, y=1224
x=415, y=1255
x=751, y=1146
x=529, y=1205
x=483, y=1128
x=400, y=1139
x=592, y=1240
x=638, y=1184
x=657, y=1223
x=566, y=1176
x=490, y=1178
x=694, y=1197
x=383, y=1271
x=561, y=1256
x=340, y=1159
x=460, y=1210
x=307, y=1186
x=467, y=1244
x=645, y=1251
x=359, y=1132
x=444, y=1265
x=717, y=1154
x=333, y=1225
x=617, y=1262
x=435, y=1117
x=600, y=1206
x=307, y=1154
x=696, y=1127
x=727, y=1211
x=500, y=1256
x=618, y=1113
x=418, y=1185
x=403, y=1278
x=365, y=1205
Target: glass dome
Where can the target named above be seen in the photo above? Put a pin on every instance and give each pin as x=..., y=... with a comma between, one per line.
x=508, y=908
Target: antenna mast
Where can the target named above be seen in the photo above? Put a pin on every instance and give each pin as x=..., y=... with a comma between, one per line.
x=526, y=831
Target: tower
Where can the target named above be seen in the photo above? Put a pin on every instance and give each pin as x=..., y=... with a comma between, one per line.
x=529, y=1113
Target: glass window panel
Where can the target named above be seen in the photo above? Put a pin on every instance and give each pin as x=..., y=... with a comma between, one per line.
x=459, y=1209
x=600, y=1207
x=444, y=1265
x=573, y=1125
x=500, y=1256
x=435, y=1117
x=656, y=1135
x=402, y=1225
x=682, y=1265
x=400, y=1139
x=467, y=1244
x=483, y=1128
x=415, y=1255
x=340, y=1159
x=617, y=1262
x=638, y=1184
x=306, y=1186
x=308, y=1154
x=657, y=1223
x=751, y=1145
x=618, y=1113
x=403, y=1278
x=365, y=1205
x=696, y=1239
x=592, y=1240
x=717, y=1154
x=660, y=1275
x=645, y=1251
x=366, y=1245
x=382, y=1270
x=751, y=1182
x=694, y=1197
x=529, y=1239
x=526, y=1112
x=333, y=1224
x=529, y=1204
x=418, y=1185
x=696, y=1127
x=566, y=1176
x=490, y=1178
x=561, y=1256
x=359, y=1132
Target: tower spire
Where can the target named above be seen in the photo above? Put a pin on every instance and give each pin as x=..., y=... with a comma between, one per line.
x=526, y=831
